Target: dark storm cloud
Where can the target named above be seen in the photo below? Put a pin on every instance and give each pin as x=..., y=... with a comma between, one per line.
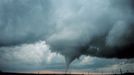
x=23, y=21
x=98, y=28
x=72, y=28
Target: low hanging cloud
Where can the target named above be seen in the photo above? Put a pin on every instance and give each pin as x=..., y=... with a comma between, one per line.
x=95, y=28
x=37, y=56
x=72, y=28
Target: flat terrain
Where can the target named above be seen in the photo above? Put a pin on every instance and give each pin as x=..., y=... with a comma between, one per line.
x=60, y=73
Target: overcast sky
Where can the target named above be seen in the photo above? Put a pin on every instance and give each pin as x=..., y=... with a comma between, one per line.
x=87, y=35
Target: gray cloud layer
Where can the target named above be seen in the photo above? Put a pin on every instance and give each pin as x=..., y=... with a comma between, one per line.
x=72, y=28
x=23, y=21
x=96, y=28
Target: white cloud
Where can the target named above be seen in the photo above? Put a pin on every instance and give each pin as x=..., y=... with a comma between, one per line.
x=29, y=54
x=87, y=60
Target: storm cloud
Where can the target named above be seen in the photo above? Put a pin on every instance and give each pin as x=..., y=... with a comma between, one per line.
x=96, y=28
x=72, y=28
x=23, y=21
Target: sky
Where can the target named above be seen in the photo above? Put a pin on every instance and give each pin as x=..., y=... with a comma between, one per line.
x=86, y=35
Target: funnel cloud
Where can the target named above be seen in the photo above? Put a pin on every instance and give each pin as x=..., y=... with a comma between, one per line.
x=98, y=28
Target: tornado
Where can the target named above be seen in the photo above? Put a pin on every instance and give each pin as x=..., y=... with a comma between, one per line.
x=103, y=29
